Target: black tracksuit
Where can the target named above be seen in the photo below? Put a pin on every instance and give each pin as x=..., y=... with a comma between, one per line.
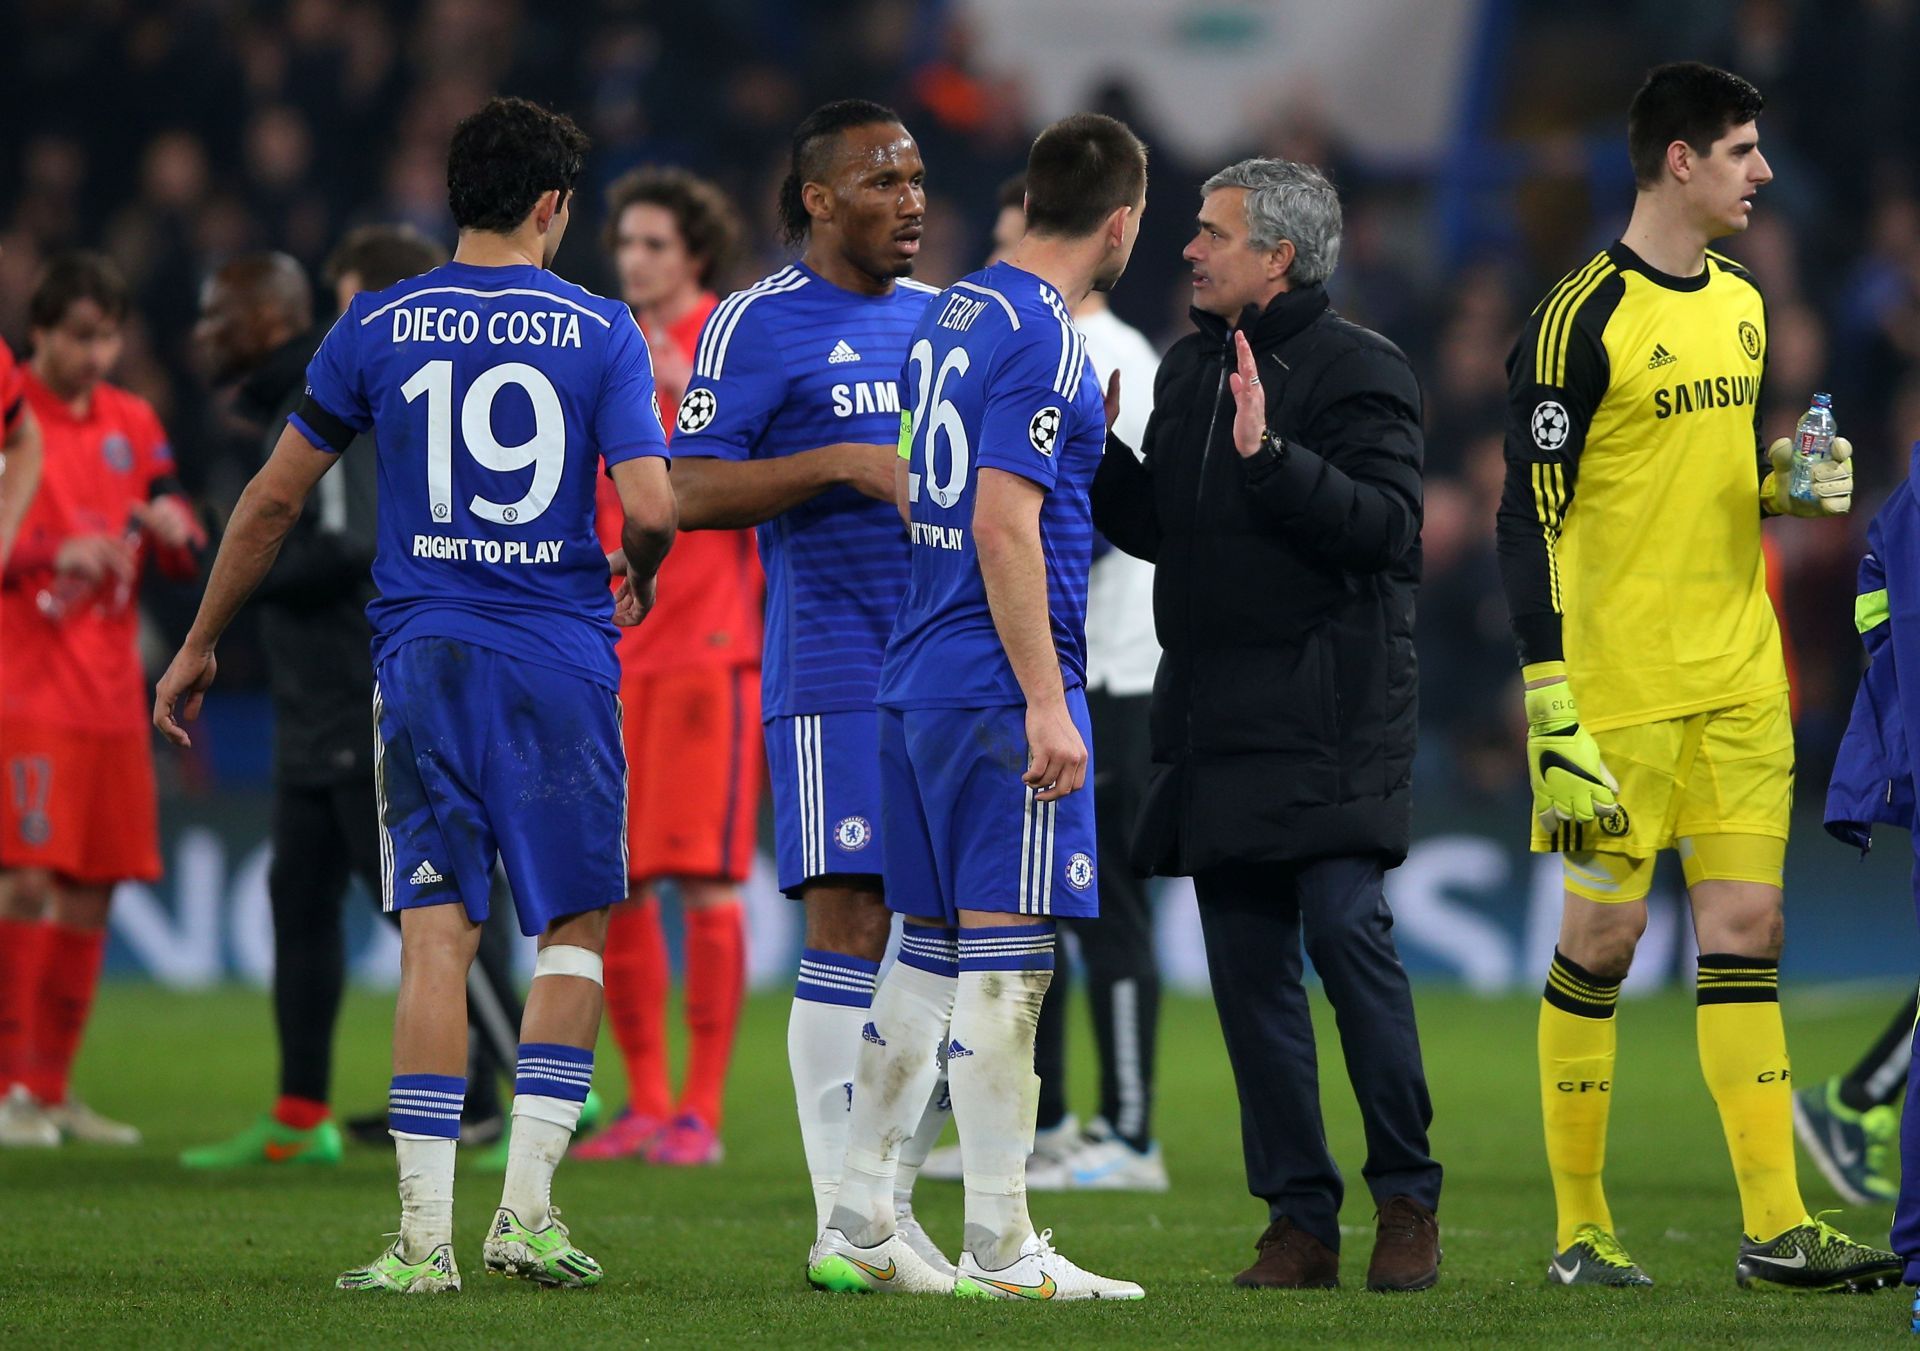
x=1283, y=720
x=314, y=626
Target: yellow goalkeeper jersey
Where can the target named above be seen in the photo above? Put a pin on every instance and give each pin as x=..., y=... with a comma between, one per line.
x=1629, y=531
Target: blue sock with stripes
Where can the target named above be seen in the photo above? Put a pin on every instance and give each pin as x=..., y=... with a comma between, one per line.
x=549, y=1086
x=830, y=1002
x=426, y=1105
x=1004, y=974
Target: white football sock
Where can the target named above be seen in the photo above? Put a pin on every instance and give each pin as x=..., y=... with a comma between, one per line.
x=1004, y=974
x=830, y=1004
x=550, y=1086
x=933, y=1124
x=542, y=1129
x=899, y=1064
x=426, y=1192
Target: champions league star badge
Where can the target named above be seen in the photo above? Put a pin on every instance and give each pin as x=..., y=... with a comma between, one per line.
x=1044, y=429
x=696, y=410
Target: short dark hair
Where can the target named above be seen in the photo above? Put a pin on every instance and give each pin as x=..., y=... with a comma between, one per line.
x=380, y=255
x=811, y=155
x=702, y=213
x=72, y=277
x=1013, y=193
x=1685, y=101
x=1080, y=171
x=504, y=157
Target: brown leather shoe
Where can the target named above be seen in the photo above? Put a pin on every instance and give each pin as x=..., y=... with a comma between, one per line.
x=1406, y=1247
x=1290, y=1259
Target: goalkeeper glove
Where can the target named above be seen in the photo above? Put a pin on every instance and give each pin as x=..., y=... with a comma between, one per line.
x=1832, y=482
x=1570, y=781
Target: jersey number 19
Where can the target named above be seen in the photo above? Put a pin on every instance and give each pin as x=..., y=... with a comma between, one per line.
x=545, y=450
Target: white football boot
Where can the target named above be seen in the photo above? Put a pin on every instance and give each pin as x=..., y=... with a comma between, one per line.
x=77, y=1121
x=1039, y=1273
x=24, y=1123
x=910, y=1232
x=890, y=1267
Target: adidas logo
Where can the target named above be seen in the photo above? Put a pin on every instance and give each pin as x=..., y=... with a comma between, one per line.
x=424, y=875
x=1661, y=357
x=841, y=354
x=872, y=1034
x=955, y=1050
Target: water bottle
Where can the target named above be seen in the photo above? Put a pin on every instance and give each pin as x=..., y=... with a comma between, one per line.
x=1812, y=444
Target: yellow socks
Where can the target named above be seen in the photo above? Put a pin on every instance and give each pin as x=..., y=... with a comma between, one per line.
x=1576, y=1089
x=1743, y=1054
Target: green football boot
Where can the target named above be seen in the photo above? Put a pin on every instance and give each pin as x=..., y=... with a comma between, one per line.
x=391, y=1274
x=1858, y=1152
x=268, y=1141
x=1595, y=1257
x=1813, y=1255
x=547, y=1257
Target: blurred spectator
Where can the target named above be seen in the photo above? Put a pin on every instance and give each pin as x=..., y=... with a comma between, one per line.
x=179, y=135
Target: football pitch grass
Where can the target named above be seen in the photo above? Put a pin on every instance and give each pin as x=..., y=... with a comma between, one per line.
x=122, y=1248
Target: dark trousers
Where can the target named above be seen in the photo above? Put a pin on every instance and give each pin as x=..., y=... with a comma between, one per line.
x=1123, y=980
x=1254, y=917
x=321, y=837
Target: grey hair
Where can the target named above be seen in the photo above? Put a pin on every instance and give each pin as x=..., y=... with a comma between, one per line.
x=1288, y=201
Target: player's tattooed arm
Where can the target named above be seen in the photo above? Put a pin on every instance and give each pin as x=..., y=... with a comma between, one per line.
x=266, y=511
x=716, y=494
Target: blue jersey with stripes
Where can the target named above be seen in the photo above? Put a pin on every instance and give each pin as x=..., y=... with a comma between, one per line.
x=996, y=378
x=494, y=394
x=791, y=364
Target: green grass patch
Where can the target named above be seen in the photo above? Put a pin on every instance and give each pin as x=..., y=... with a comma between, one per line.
x=122, y=1248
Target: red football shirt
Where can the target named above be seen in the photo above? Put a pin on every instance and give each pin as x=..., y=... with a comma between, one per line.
x=81, y=669
x=709, y=610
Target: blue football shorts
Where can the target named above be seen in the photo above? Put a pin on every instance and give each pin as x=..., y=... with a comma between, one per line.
x=480, y=756
x=964, y=833
x=823, y=770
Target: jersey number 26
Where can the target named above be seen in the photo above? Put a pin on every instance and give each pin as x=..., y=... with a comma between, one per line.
x=946, y=422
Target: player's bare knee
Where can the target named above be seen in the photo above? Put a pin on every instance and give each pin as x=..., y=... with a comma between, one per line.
x=704, y=893
x=25, y=894
x=587, y=930
x=1602, y=939
x=440, y=935
x=851, y=920
x=80, y=907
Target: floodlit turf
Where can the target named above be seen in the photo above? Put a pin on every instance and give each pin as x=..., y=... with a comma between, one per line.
x=109, y=1248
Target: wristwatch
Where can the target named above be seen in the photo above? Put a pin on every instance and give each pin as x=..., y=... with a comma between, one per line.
x=1270, y=441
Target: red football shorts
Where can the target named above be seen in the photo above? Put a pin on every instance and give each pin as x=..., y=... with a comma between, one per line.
x=80, y=803
x=694, y=768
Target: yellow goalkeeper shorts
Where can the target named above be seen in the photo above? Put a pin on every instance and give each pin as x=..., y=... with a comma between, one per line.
x=1724, y=772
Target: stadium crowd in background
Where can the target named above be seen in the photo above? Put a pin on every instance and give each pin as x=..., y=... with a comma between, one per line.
x=279, y=127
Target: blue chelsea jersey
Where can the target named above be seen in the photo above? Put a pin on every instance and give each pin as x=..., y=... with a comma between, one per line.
x=791, y=364
x=495, y=395
x=997, y=377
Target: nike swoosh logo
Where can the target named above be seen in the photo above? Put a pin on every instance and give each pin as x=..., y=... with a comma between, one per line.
x=1555, y=760
x=1045, y=1290
x=878, y=1273
x=1567, y=1275
x=1799, y=1259
x=279, y=1153
x=1836, y=1141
